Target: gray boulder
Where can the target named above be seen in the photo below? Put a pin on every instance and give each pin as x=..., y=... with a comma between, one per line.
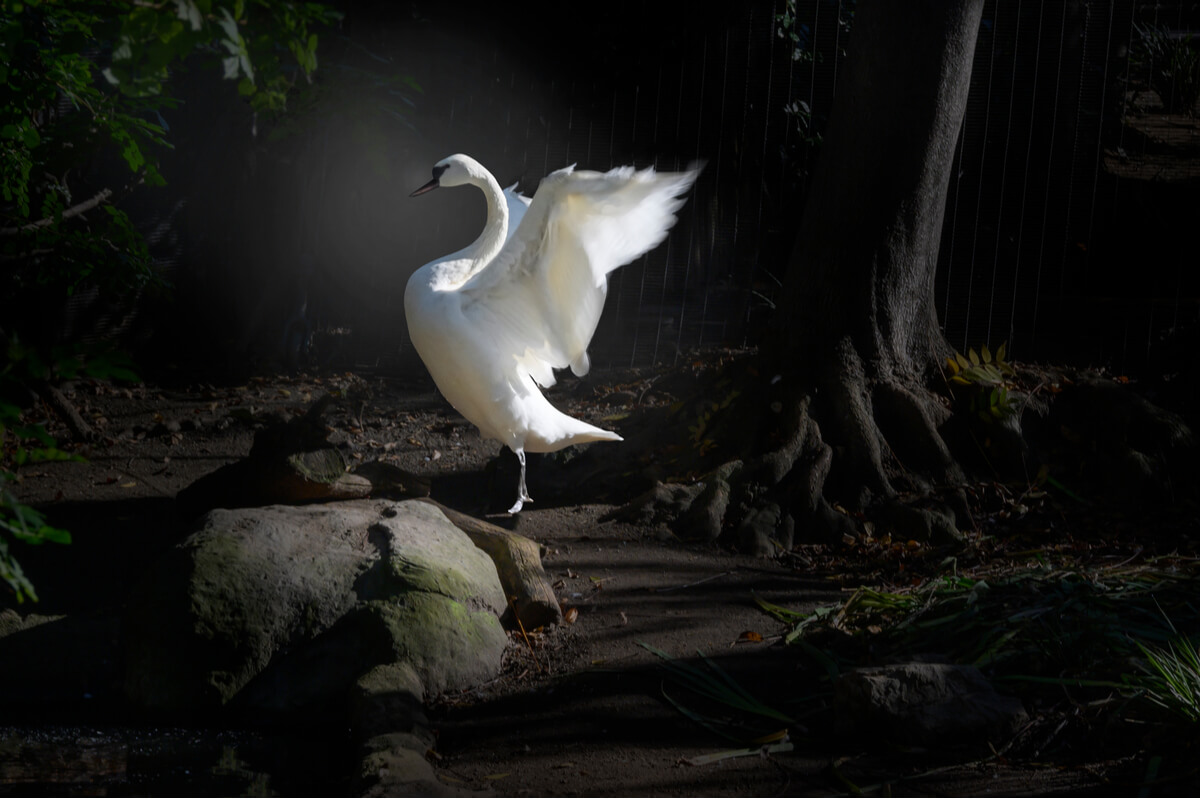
x=286, y=608
x=924, y=705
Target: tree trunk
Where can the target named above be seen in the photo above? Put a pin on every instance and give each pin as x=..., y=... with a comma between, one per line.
x=836, y=412
x=857, y=327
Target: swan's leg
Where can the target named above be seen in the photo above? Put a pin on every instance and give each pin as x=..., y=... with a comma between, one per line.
x=522, y=492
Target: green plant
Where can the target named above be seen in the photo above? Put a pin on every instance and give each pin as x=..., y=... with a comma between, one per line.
x=1172, y=65
x=705, y=416
x=1172, y=677
x=81, y=80
x=734, y=713
x=800, y=36
x=1079, y=626
x=987, y=378
x=19, y=522
x=22, y=443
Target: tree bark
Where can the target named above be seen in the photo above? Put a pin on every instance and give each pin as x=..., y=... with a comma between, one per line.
x=857, y=325
x=864, y=263
x=837, y=413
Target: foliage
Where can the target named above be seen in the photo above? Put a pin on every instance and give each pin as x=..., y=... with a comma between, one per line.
x=20, y=522
x=987, y=377
x=22, y=443
x=788, y=26
x=738, y=714
x=1082, y=627
x=1172, y=679
x=83, y=79
x=1172, y=63
x=800, y=36
x=700, y=431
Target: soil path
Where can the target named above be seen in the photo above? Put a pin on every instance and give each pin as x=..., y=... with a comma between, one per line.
x=585, y=709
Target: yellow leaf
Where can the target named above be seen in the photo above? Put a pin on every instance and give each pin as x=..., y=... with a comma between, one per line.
x=953, y=364
x=704, y=760
x=962, y=381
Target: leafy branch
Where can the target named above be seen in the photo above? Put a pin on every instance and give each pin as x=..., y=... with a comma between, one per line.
x=80, y=78
x=989, y=376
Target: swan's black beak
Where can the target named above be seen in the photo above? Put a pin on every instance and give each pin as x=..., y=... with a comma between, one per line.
x=438, y=171
x=430, y=186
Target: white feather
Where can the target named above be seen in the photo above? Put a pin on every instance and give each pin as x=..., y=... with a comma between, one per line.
x=524, y=299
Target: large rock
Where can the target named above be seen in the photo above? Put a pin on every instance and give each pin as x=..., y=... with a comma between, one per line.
x=285, y=608
x=924, y=704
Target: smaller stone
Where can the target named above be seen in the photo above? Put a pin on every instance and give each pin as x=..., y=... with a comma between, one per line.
x=756, y=535
x=925, y=705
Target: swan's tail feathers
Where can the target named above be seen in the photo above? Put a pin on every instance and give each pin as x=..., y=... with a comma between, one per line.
x=603, y=435
x=572, y=431
x=584, y=433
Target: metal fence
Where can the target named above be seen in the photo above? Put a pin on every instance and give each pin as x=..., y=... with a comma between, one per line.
x=1070, y=220
x=1070, y=216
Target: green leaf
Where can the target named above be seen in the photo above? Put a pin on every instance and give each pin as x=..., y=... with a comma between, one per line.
x=187, y=11
x=55, y=535
x=30, y=137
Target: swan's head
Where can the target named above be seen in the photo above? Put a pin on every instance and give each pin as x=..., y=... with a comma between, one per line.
x=456, y=170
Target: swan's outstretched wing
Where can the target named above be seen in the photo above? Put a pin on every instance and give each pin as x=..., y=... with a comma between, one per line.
x=541, y=297
x=517, y=204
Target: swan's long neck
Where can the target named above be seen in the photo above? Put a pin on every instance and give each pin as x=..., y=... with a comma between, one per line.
x=449, y=273
x=495, y=230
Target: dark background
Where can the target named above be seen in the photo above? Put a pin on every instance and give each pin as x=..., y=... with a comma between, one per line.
x=1069, y=233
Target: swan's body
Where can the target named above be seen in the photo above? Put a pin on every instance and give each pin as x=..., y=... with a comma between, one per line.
x=494, y=320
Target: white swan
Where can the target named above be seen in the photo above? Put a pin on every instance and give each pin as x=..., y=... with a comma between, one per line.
x=503, y=313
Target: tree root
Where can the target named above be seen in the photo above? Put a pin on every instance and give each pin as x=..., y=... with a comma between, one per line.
x=803, y=461
x=65, y=410
x=519, y=566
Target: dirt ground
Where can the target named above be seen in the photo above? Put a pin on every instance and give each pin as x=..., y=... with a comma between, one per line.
x=584, y=709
